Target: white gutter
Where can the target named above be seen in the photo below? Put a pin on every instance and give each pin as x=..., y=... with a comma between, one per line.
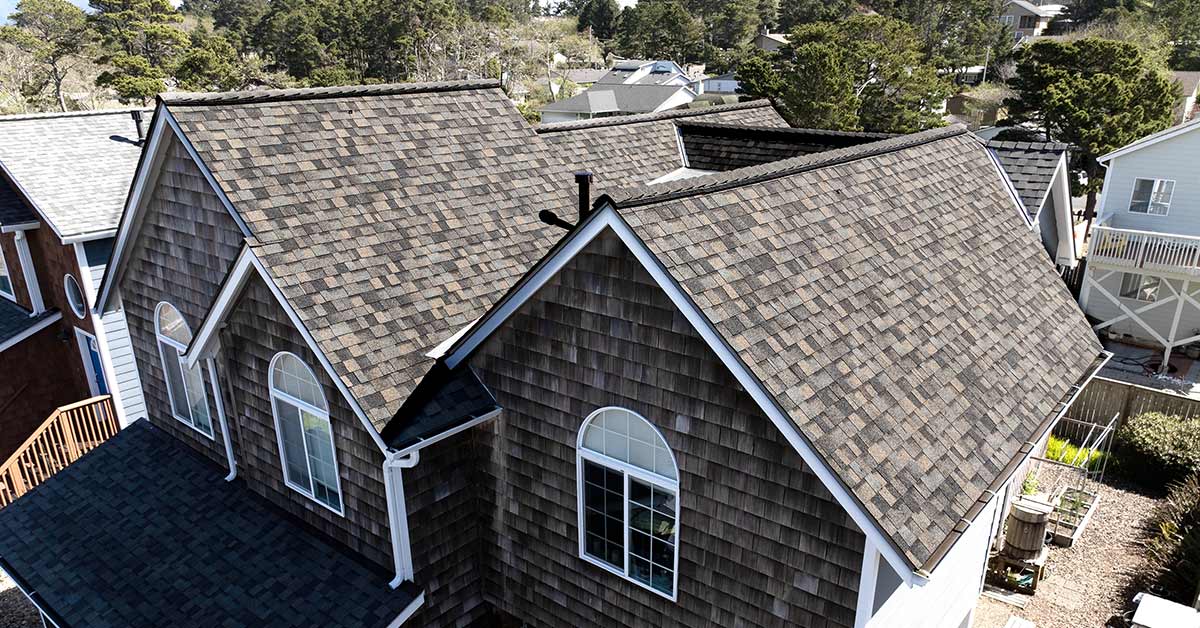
x=225, y=435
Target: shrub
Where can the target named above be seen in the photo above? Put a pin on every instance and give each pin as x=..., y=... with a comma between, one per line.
x=1159, y=447
x=1174, y=548
x=1063, y=450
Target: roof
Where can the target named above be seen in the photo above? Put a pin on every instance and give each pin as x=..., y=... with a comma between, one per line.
x=779, y=37
x=1188, y=82
x=584, y=75
x=455, y=399
x=1031, y=167
x=157, y=537
x=633, y=149
x=75, y=168
x=1152, y=139
x=16, y=320
x=1044, y=10
x=13, y=209
x=389, y=217
x=605, y=98
x=722, y=146
x=728, y=76
x=908, y=324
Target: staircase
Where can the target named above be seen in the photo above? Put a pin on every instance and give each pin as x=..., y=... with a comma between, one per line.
x=69, y=433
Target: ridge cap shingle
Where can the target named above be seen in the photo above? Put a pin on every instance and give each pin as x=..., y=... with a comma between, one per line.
x=649, y=117
x=50, y=115
x=1047, y=147
x=653, y=193
x=742, y=128
x=317, y=93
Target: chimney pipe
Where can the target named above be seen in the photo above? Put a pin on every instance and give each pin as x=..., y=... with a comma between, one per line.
x=137, y=122
x=584, y=179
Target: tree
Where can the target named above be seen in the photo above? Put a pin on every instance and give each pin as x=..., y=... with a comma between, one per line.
x=768, y=14
x=141, y=40
x=659, y=29
x=600, y=16
x=735, y=24
x=210, y=64
x=54, y=33
x=1181, y=18
x=1083, y=12
x=1095, y=94
x=954, y=33
x=793, y=13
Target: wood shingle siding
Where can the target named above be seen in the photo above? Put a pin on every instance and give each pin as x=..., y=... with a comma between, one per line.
x=184, y=248
x=257, y=330
x=762, y=542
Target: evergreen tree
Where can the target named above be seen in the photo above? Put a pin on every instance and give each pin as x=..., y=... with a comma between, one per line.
x=141, y=40
x=600, y=16
x=659, y=29
x=736, y=23
x=53, y=33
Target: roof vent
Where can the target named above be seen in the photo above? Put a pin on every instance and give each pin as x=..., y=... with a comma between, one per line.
x=137, y=123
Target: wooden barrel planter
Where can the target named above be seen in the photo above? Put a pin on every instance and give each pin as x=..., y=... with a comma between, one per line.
x=1025, y=534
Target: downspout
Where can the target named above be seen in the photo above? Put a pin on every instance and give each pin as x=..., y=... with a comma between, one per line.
x=393, y=481
x=225, y=435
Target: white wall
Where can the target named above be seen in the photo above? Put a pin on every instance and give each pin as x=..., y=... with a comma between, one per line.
x=1159, y=318
x=1174, y=159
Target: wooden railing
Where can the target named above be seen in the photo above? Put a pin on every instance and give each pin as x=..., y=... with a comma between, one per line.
x=69, y=433
x=1145, y=250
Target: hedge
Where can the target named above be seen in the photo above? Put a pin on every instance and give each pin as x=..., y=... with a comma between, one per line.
x=1160, y=447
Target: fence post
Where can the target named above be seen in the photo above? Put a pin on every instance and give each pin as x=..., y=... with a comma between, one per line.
x=68, y=430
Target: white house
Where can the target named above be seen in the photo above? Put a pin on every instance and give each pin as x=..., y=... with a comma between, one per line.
x=1029, y=19
x=724, y=84
x=1144, y=256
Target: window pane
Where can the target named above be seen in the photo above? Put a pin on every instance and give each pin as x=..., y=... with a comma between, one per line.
x=639, y=544
x=292, y=377
x=663, y=579
x=641, y=493
x=622, y=435
x=196, y=397
x=639, y=569
x=664, y=502
x=171, y=324
x=1142, y=191
x=604, y=518
x=293, y=444
x=1161, y=201
x=321, y=461
x=174, y=377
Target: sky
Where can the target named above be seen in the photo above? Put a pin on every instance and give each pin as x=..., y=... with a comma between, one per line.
x=8, y=6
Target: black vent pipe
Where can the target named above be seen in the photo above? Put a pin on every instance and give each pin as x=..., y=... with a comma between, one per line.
x=584, y=180
x=137, y=122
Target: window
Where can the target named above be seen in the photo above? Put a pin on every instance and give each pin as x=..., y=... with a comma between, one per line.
x=1007, y=20
x=628, y=500
x=185, y=387
x=1151, y=196
x=305, y=435
x=75, y=297
x=1140, y=287
x=6, y=286
x=1028, y=21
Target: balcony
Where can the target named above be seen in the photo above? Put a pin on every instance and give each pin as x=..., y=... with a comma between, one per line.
x=1158, y=253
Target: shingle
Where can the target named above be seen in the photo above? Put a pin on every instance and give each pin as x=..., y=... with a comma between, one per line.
x=1030, y=166
x=13, y=210
x=15, y=319
x=453, y=400
x=722, y=146
x=157, y=537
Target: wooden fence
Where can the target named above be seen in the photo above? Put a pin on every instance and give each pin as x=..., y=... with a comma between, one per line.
x=69, y=433
x=1103, y=398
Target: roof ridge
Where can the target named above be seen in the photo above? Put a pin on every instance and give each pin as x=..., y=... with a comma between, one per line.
x=315, y=93
x=734, y=127
x=647, y=194
x=649, y=117
x=1027, y=145
x=17, y=117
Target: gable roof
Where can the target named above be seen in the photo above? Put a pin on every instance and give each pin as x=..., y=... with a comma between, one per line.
x=388, y=216
x=74, y=168
x=1043, y=10
x=721, y=146
x=206, y=552
x=913, y=335
x=18, y=323
x=1150, y=140
x=603, y=98
x=632, y=149
x=1031, y=167
x=13, y=209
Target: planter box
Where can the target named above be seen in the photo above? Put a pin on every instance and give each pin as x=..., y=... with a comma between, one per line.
x=1073, y=510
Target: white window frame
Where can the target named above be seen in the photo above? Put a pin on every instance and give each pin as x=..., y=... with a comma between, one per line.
x=1008, y=20
x=181, y=364
x=81, y=313
x=1141, y=286
x=627, y=472
x=1153, y=190
x=278, y=396
x=11, y=294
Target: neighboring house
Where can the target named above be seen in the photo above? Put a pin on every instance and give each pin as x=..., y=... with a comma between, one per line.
x=584, y=77
x=724, y=84
x=1039, y=173
x=789, y=394
x=1029, y=19
x=606, y=100
x=640, y=72
x=1143, y=258
x=770, y=42
x=1185, y=107
x=63, y=178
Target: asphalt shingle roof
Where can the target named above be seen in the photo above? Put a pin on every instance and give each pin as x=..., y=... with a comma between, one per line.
x=893, y=304
x=75, y=167
x=13, y=210
x=157, y=537
x=602, y=98
x=454, y=398
x=1030, y=166
x=720, y=146
x=15, y=319
x=637, y=149
x=390, y=217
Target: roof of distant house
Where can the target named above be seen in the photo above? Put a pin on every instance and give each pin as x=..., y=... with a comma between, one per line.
x=635, y=98
x=584, y=76
x=1044, y=10
x=1031, y=167
x=1188, y=82
x=722, y=146
x=74, y=168
x=197, y=551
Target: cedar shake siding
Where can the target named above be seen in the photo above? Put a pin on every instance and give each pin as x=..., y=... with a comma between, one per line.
x=762, y=542
x=184, y=248
x=258, y=329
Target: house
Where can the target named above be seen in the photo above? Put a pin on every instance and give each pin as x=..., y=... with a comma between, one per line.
x=63, y=181
x=726, y=83
x=1039, y=173
x=643, y=72
x=606, y=100
x=1185, y=107
x=788, y=394
x=1142, y=258
x=770, y=42
x=1029, y=19
x=584, y=77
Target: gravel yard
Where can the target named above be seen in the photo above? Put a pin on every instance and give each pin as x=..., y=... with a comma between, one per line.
x=1090, y=583
x=15, y=610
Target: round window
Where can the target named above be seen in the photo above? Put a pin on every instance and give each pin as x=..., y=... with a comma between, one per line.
x=75, y=296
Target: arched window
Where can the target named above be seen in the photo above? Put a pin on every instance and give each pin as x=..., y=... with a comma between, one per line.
x=305, y=435
x=628, y=499
x=185, y=387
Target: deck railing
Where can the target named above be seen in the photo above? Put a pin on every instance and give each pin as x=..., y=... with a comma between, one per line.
x=1145, y=250
x=69, y=433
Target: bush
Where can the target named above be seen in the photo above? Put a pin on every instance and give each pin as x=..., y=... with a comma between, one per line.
x=1174, y=548
x=1160, y=448
x=1063, y=450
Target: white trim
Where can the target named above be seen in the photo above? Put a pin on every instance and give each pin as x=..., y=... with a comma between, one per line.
x=1150, y=140
x=607, y=218
x=110, y=372
x=409, y=611
x=29, y=198
x=1101, y=203
x=868, y=577
x=89, y=236
x=41, y=611
x=82, y=312
x=1060, y=193
x=1153, y=187
x=24, y=226
x=29, y=272
x=81, y=341
x=159, y=339
x=445, y=345
x=425, y=442
x=42, y=324
x=230, y=460
x=278, y=396
x=238, y=275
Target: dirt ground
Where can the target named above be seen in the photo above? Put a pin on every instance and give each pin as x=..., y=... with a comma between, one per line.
x=1091, y=583
x=15, y=610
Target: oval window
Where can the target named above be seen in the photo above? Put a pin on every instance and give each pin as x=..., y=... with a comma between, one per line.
x=75, y=296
